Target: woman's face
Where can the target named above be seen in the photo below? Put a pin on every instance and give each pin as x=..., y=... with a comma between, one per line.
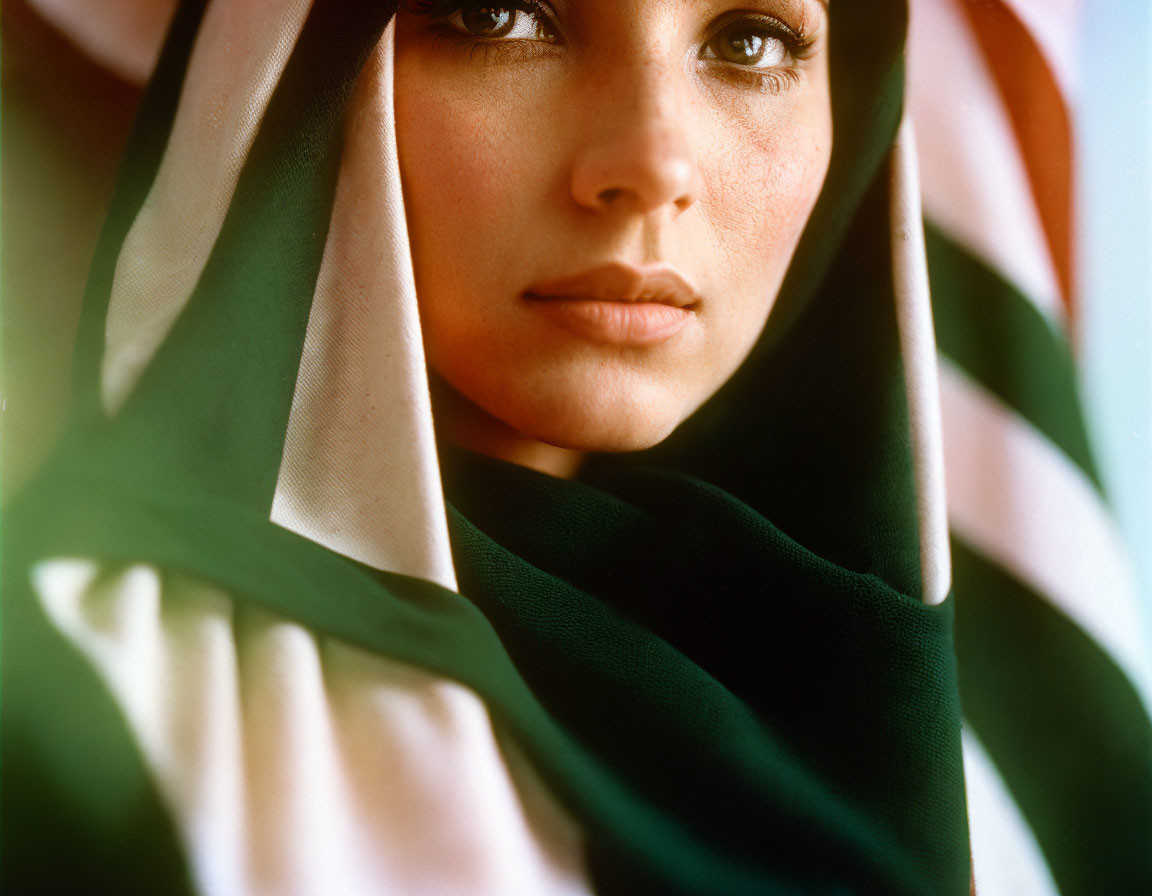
x=603, y=197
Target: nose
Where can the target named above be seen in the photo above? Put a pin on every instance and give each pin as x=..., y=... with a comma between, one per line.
x=636, y=150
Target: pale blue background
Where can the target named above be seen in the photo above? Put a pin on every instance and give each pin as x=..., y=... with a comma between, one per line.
x=1114, y=113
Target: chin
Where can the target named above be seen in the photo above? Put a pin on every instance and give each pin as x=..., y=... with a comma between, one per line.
x=598, y=420
x=608, y=437
x=580, y=404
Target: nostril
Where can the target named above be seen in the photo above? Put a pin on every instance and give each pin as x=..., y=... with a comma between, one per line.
x=637, y=169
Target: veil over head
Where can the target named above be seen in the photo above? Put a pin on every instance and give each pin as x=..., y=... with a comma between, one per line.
x=728, y=658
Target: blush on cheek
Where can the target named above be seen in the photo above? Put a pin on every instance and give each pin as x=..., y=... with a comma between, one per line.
x=465, y=166
x=475, y=168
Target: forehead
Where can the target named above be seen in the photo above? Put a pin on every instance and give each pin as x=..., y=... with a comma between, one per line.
x=800, y=15
x=680, y=6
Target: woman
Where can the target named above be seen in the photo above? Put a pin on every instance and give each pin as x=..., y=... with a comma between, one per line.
x=262, y=655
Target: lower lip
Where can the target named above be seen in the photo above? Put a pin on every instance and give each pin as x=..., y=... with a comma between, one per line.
x=615, y=323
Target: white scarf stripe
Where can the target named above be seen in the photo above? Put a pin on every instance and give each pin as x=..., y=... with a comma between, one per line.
x=359, y=473
x=918, y=347
x=240, y=53
x=980, y=197
x=1006, y=859
x=297, y=765
x=1016, y=498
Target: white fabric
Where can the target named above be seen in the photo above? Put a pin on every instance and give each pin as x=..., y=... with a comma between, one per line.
x=1006, y=859
x=124, y=35
x=918, y=347
x=241, y=50
x=359, y=473
x=1020, y=501
x=300, y=766
x=980, y=199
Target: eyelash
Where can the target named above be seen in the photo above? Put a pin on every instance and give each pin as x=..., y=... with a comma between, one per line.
x=491, y=50
x=768, y=82
x=798, y=43
x=798, y=46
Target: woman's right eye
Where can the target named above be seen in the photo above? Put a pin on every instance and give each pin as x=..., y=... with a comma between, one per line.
x=518, y=20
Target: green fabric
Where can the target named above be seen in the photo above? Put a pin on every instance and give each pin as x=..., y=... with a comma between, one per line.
x=244, y=324
x=814, y=433
x=142, y=157
x=714, y=652
x=1000, y=339
x=1061, y=721
x=735, y=781
x=1064, y=726
x=827, y=768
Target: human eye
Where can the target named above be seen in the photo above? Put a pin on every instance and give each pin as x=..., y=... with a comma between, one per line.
x=513, y=20
x=757, y=50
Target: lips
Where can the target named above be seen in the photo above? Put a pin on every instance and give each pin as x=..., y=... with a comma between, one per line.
x=618, y=304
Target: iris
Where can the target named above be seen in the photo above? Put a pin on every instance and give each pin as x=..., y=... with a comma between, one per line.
x=743, y=45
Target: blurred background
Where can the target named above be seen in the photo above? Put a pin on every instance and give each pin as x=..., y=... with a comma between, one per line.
x=1115, y=195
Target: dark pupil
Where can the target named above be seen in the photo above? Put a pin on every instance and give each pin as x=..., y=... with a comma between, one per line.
x=742, y=46
x=490, y=21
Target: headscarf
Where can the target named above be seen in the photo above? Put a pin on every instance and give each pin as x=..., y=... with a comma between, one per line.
x=728, y=658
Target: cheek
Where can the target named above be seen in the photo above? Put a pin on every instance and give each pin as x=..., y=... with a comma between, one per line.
x=477, y=181
x=762, y=189
x=450, y=167
x=761, y=181
x=453, y=180
x=475, y=145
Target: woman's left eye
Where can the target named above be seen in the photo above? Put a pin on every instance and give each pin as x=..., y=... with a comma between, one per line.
x=750, y=45
x=500, y=21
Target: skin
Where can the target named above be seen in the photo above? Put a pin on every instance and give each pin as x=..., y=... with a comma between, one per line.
x=616, y=133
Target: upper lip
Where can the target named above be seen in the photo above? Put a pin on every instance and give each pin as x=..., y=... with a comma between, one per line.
x=620, y=282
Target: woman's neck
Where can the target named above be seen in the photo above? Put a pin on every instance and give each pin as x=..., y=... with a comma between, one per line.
x=462, y=423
